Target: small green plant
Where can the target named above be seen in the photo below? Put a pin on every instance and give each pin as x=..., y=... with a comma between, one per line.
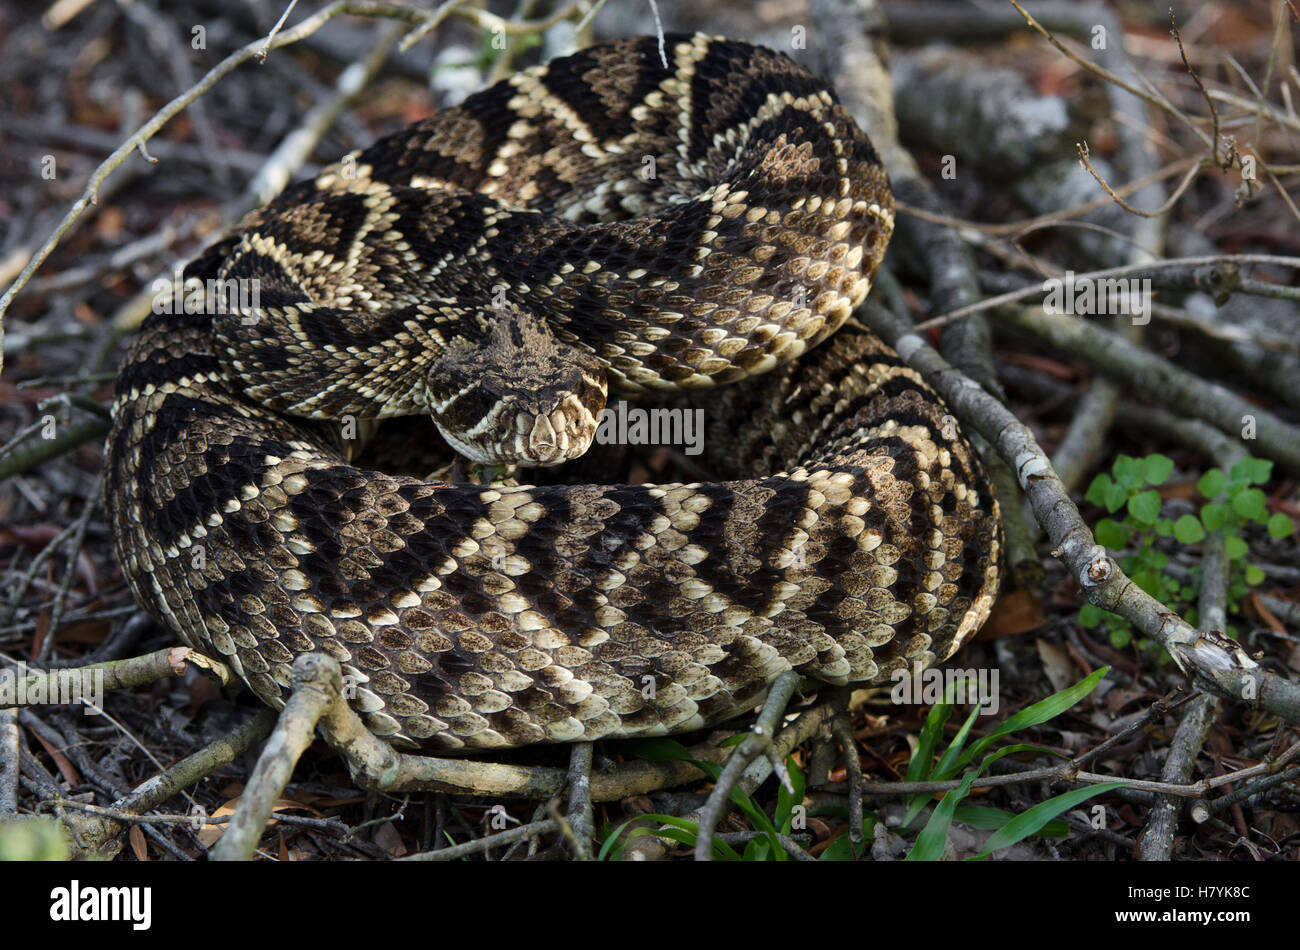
x=764, y=847
x=1232, y=503
x=1008, y=828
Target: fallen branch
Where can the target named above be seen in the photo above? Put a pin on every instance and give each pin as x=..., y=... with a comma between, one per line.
x=1218, y=665
x=34, y=687
x=317, y=682
x=1160, y=381
x=758, y=742
x=100, y=837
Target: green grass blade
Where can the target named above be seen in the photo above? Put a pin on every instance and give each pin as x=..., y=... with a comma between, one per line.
x=930, y=842
x=982, y=817
x=786, y=802
x=992, y=819
x=1032, y=821
x=947, y=766
x=610, y=848
x=684, y=832
x=919, y=768
x=1040, y=712
x=673, y=751
x=841, y=849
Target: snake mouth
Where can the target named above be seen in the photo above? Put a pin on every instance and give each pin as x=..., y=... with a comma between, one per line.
x=555, y=437
x=511, y=434
x=545, y=444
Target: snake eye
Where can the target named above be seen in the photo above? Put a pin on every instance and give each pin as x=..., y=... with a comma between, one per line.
x=468, y=408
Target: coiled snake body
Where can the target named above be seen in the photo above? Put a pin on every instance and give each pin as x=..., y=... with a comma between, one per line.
x=597, y=221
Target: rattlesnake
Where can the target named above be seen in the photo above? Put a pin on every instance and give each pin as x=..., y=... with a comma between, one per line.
x=600, y=220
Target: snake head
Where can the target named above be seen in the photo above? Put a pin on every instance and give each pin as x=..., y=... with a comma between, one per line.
x=519, y=395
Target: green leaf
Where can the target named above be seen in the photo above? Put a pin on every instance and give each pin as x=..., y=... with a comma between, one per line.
x=1280, y=525
x=946, y=767
x=1028, y=823
x=1149, y=581
x=684, y=832
x=1116, y=495
x=672, y=750
x=930, y=842
x=982, y=817
x=919, y=769
x=1128, y=471
x=841, y=849
x=1090, y=616
x=1188, y=530
x=1254, y=576
x=991, y=819
x=1235, y=547
x=1250, y=503
x=1257, y=471
x=1156, y=468
x=1212, y=483
x=1040, y=712
x=1097, y=488
x=1213, y=515
x=1145, y=507
x=662, y=750
x=1164, y=528
x=1121, y=637
x=1111, y=534
x=1240, y=471
x=611, y=848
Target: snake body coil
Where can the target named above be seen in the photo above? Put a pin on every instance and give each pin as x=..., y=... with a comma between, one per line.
x=597, y=222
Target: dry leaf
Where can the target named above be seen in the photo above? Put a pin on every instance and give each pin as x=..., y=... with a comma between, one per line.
x=1057, y=664
x=388, y=838
x=66, y=768
x=1263, y=613
x=211, y=834
x=139, y=846
x=1015, y=613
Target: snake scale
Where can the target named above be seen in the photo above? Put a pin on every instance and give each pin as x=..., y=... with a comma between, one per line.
x=598, y=224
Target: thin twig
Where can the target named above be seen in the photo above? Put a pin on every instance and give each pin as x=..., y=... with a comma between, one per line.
x=1214, y=113
x=533, y=830
x=1158, y=101
x=317, y=683
x=1128, y=270
x=758, y=742
x=265, y=51
x=580, y=817
x=1190, y=166
x=1086, y=162
x=164, y=115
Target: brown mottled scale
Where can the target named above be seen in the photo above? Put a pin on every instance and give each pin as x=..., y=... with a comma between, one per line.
x=705, y=223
